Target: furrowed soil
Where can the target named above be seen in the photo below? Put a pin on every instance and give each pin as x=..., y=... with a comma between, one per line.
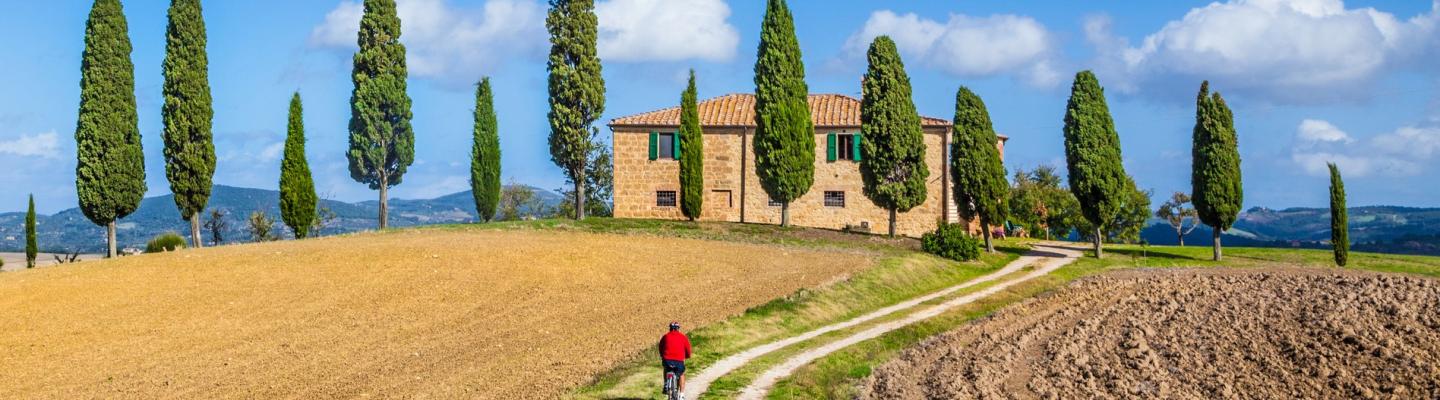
x=1212, y=333
x=458, y=313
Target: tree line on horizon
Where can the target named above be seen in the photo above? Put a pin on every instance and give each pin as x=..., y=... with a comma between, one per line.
x=110, y=175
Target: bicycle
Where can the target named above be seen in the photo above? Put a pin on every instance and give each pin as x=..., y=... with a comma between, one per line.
x=672, y=386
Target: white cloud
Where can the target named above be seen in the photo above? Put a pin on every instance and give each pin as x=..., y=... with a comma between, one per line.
x=967, y=46
x=341, y=26
x=1405, y=152
x=44, y=145
x=459, y=44
x=1286, y=50
x=665, y=30
x=1414, y=142
x=1317, y=131
x=272, y=152
x=446, y=42
x=444, y=185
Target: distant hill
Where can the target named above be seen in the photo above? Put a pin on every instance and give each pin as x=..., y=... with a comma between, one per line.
x=1384, y=229
x=69, y=230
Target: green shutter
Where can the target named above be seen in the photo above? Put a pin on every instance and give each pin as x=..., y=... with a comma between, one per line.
x=654, y=146
x=676, y=142
x=855, y=147
x=830, y=147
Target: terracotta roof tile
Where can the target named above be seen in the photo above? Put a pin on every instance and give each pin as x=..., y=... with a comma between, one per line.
x=738, y=110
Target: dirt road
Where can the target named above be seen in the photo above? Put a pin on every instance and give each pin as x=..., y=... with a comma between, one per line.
x=1042, y=260
x=1218, y=333
x=699, y=382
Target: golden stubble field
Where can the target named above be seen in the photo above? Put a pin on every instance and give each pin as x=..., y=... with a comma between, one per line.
x=407, y=314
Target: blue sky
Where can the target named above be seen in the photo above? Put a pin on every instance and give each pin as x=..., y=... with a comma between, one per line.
x=1310, y=81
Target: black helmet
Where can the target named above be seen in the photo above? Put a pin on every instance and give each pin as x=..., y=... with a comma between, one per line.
x=674, y=326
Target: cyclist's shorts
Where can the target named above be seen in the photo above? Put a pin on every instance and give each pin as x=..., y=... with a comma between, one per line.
x=678, y=367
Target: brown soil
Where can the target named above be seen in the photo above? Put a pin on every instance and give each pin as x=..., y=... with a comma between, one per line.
x=1271, y=333
x=409, y=314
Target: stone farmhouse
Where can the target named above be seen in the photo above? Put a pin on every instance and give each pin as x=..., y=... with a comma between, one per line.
x=647, y=170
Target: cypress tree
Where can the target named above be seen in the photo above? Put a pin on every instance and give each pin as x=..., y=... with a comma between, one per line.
x=189, y=149
x=485, y=154
x=692, y=154
x=298, y=200
x=892, y=150
x=784, y=136
x=1092, y=155
x=31, y=249
x=979, y=174
x=577, y=91
x=110, y=164
x=1215, y=170
x=1339, y=219
x=382, y=143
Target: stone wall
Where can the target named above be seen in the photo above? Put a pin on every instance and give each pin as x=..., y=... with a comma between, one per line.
x=637, y=179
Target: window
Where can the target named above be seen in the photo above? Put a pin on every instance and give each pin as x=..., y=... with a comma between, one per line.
x=664, y=146
x=834, y=199
x=845, y=146
x=776, y=203
x=665, y=198
x=842, y=146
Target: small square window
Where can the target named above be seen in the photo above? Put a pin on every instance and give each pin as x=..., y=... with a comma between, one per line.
x=667, y=146
x=845, y=147
x=834, y=199
x=776, y=203
x=665, y=198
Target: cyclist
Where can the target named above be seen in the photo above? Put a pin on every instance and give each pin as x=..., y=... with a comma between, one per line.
x=674, y=350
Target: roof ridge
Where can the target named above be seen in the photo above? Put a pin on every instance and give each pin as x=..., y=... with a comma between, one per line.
x=737, y=109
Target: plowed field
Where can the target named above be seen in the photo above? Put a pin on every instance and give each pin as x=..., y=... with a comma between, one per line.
x=411, y=314
x=1244, y=333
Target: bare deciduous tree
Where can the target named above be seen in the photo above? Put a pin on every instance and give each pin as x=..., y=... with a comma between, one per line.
x=1178, y=214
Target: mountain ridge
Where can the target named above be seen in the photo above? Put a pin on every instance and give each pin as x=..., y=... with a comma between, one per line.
x=69, y=231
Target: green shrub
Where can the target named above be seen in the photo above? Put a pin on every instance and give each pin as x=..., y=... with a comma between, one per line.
x=952, y=241
x=165, y=242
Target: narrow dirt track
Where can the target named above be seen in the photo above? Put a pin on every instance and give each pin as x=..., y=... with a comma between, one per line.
x=1211, y=333
x=699, y=383
x=1049, y=258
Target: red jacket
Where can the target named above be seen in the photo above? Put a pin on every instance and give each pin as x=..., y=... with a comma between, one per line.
x=674, y=346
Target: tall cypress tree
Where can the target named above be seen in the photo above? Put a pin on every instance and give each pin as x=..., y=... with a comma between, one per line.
x=892, y=148
x=298, y=200
x=110, y=164
x=577, y=91
x=1092, y=154
x=979, y=174
x=784, y=135
x=1339, y=218
x=1215, y=169
x=485, y=154
x=189, y=149
x=31, y=248
x=382, y=143
x=692, y=154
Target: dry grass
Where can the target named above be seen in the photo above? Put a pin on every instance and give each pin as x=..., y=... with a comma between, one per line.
x=413, y=314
